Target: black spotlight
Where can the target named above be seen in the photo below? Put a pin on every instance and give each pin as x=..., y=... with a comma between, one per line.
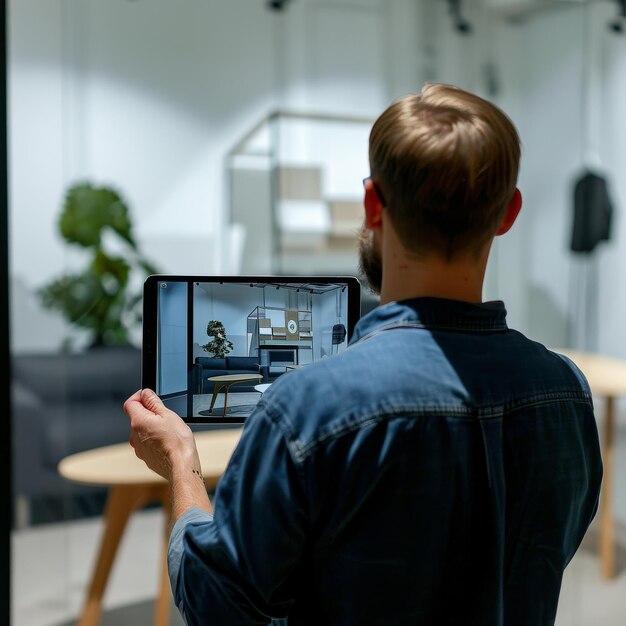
x=277, y=5
x=618, y=25
x=460, y=23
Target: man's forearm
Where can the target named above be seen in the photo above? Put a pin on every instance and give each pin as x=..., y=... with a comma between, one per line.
x=187, y=490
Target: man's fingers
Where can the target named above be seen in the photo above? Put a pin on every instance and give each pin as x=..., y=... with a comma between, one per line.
x=132, y=400
x=152, y=402
x=136, y=396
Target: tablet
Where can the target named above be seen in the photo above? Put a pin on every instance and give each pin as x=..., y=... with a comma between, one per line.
x=212, y=345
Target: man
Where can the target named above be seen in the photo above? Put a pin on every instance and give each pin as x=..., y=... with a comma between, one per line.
x=441, y=470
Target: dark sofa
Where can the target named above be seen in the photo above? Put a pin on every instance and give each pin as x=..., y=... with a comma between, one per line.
x=205, y=367
x=63, y=404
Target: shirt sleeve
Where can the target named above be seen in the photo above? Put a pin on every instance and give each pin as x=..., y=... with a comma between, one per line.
x=239, y=565
x=176, y=548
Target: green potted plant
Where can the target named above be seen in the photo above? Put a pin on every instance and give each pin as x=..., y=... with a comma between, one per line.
x=219, y=346
x=99, y=299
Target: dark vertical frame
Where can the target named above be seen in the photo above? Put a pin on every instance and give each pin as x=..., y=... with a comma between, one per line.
x=6, y=509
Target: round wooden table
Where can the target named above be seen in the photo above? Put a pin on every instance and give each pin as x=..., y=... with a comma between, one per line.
x=607, y=378
x=131, y=486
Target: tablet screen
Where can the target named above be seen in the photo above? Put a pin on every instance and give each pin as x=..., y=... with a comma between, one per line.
x=212, y=345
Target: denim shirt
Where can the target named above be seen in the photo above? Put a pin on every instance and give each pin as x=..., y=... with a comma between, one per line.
x=441, y=470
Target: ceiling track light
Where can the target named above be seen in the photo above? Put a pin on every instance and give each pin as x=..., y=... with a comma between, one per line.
x=276, y=5
x=618, y=25
x=460, y=23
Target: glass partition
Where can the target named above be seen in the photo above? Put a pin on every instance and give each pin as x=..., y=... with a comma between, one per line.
x=235, y=136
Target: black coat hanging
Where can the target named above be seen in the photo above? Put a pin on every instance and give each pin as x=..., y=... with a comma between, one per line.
x=593, y=212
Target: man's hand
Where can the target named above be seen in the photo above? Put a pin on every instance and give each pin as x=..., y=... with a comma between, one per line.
x=160, y=437
x=167, y=446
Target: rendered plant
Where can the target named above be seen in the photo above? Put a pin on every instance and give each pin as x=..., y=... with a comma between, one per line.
x=99, y=299
x=218, y=345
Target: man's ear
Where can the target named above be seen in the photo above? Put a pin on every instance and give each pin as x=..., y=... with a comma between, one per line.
x=373, y=206
x=512, y=211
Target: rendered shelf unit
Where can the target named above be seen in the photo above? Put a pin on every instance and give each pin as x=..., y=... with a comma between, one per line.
x=280, y=338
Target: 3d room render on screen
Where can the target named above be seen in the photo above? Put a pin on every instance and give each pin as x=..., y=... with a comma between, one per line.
x=239, y=338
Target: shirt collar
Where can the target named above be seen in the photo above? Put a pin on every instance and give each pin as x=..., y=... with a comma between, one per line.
x=435, y=313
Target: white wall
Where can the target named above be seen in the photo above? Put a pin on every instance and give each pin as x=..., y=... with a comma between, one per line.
x=324, y=318
x=149, y=96
x=231, y=304
x=172, y=350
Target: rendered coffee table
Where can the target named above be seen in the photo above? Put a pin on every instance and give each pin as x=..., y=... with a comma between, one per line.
x=226, y=382
x=132, y=486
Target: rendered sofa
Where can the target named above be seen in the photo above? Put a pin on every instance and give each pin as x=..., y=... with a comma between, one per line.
x=205, y=367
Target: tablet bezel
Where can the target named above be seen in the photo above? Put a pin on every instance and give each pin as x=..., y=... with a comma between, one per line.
x=150, y=318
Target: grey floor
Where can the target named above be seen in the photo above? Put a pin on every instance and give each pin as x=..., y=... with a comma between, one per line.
x=240, y=404
x=52, y=563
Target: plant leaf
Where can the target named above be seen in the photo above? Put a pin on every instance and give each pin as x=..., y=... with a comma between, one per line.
x=88, y=210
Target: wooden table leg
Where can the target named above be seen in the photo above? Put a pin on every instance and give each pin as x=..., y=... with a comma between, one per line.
x=607, y=522
x=121, y=502
x=164, y=597
x=226, y=399
x=216, y=389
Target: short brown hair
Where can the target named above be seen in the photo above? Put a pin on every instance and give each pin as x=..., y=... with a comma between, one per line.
x=447, y=163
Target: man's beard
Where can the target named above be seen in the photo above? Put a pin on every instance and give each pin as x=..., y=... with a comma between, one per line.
x=370, y=263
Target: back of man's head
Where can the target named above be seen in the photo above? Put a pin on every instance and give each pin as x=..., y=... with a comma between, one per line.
x=447, y=163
